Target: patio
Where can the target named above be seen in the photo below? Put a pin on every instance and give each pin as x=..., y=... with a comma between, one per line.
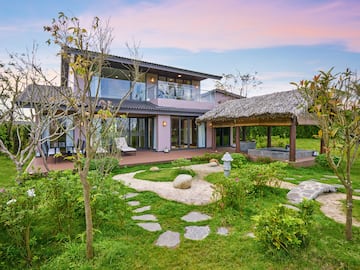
x=141, y=157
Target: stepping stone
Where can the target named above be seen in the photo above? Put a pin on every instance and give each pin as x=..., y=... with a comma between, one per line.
x=289, y=178
x=196, y=232
x=291, y=207
x=250, y=234
x=331, y=176
x=222, y=231
x=142, y=209
x=130, y=195
x=150, y=226
x=195, y=217
x=133, y=203
x=145, y=218
x=356, y=190
x=168, y=239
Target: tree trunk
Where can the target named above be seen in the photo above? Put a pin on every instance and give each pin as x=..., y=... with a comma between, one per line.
x=88, y=216
x=27, y=245
x=349, y=206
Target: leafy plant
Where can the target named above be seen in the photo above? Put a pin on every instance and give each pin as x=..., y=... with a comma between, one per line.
x=282, y=228
x=181, y=162
x=238, y=160
x=322, y=161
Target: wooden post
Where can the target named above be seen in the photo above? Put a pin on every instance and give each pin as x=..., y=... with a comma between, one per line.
x=292, y=152
x=213, y=145
x=268, y=136
x=237, y=140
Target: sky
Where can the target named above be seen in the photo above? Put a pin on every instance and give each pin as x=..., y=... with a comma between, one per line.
x=282, y=40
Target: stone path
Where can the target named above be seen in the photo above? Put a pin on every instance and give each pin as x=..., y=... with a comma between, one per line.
x=172, y=239
x=201, y=193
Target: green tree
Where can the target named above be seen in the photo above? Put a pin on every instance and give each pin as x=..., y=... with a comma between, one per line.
x=92, y=116
x=334, y=100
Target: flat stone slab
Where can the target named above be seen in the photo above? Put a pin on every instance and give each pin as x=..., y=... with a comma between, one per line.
x=133, y=203
x=196, y=232
x=308, y=189
x=145, y=218
x=195, y=217
x=289, y=178
x=129, y=195
x=168, y=239
x=142, y=209
x=330, y=176
x=291, y=207
x=222, y=231
x=150, y=226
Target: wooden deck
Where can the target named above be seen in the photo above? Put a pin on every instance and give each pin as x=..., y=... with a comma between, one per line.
x=144, y=157
x=141, y=157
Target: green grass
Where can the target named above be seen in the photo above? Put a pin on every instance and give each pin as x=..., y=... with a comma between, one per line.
x=7, y=172
x=163, y=175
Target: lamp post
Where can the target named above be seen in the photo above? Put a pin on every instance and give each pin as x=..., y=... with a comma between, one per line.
x=227, y=163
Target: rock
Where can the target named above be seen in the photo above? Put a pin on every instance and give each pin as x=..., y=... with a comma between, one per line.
x=150, y=226
x=213, y=164
x=250, y=234
x=222, y=231
x=214, y=160
x=195, y=217
x=145, y=217
x=154, y=169
x=182, y=181
x=291, y=207
x=168, y=239
x=196, y=232
x=130, y=195
x=133, y=203
x=142, y=209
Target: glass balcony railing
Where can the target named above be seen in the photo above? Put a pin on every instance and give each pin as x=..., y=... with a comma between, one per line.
x=116, y=88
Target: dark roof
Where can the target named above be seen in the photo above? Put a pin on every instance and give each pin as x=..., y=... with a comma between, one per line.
x=37, y=94
x=154, y=67
x=148, y=108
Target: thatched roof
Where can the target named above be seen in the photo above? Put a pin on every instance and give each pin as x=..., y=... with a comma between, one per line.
x=267, y=108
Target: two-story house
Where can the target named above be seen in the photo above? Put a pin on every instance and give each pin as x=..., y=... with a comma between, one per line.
x=162, y=107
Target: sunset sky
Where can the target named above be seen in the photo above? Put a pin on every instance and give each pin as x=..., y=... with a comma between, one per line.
x=282, y=40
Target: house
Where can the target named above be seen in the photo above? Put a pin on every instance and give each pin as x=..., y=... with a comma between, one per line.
x=162, y=108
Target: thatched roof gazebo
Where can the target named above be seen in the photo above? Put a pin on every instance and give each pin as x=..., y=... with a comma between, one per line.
x=276, y=109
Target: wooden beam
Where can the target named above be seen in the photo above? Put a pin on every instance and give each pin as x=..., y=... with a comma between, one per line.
x=292, y=152
x=253, y=122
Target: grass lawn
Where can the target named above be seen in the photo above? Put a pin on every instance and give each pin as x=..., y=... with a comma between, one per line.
x=128, y=246
x=7, y=172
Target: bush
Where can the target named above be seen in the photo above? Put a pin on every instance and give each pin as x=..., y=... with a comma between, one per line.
x=104, y=165
x=232, y=192
x=282, y=228
x=322, y=161
x=238, y=160
x=181, y=162
x=207, y=157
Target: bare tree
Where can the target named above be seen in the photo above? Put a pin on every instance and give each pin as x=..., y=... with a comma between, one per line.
x=334, y=100
x=86, y=51
x=238, y=83
x=24, y=108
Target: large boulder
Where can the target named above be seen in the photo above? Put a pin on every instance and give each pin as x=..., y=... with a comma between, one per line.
x=182, y=181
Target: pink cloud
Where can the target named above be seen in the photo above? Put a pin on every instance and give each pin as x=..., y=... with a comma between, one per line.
x=236, y=24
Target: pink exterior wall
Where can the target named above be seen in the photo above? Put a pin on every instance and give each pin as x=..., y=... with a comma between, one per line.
x=209, y=135
x=220, y=98
x=163, y=137
x=186, y=104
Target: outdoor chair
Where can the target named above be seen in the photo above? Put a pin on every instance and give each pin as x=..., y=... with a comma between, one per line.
x=122, y=145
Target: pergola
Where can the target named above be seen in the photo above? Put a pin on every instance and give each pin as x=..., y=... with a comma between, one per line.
x=276, y=109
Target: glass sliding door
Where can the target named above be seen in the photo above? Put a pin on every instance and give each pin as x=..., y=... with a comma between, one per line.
x=183, y=132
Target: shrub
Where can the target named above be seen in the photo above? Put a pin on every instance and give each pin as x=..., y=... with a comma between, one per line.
x=104, y=165
x=322, y=161
x=238, y=160
x=232, y=192
x=207, y=157
x=282, y=228
x=181, y=162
